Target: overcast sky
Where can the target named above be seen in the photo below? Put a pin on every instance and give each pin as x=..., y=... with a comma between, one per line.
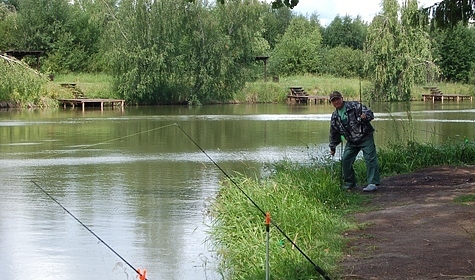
x=329, y=9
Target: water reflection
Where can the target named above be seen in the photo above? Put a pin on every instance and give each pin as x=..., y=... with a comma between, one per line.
x=141, y=185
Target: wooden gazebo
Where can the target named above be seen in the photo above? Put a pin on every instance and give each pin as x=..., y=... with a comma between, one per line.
x=263, y=58
x=20, y=54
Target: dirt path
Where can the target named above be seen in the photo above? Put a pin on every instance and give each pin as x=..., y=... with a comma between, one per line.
x=416, y=230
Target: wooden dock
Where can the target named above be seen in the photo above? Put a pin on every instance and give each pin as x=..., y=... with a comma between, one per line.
x=442, y=97
x=437, y=95
x=91, y=102
x=299, y=96
x=308, y=99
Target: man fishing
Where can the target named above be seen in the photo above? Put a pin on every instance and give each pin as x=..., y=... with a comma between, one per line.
x=351, y=120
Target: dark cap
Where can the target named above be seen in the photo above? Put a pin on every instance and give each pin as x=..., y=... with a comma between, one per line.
x=334, y=95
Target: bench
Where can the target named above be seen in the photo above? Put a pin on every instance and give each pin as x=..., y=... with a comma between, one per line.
x=297, y=91
x=76, y=92
x=434, y=90
x=298, y=94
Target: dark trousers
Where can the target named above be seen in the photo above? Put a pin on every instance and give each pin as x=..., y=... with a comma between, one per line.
x=370, y=157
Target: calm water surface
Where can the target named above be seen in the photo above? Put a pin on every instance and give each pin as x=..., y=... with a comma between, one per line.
x=139, y=182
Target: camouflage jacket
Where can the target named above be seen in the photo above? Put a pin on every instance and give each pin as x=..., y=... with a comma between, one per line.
x=356, y=130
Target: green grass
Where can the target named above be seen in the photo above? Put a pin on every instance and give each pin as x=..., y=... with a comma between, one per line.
x=20, y=85
x=465, y=198
x=324, y=85
x=260, y=92
x=92, y=85
x=445, y=88
x=307, y=204
x=256, y=92
x=25, y=87
x=100, y=85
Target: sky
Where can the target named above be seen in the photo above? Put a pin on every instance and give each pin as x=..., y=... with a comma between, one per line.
x=329, y=9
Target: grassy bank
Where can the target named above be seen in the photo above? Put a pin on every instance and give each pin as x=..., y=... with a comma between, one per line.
x=92, y=85
x=22, y=86
x=100, y=86
x=27, y=88
x=306, y=202
x=323, y=85
x=265, y=92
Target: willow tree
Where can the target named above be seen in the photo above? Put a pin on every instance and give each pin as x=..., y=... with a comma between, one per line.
x=172, y=51
x=276, y=4
x=448, y=13
x=397, y=50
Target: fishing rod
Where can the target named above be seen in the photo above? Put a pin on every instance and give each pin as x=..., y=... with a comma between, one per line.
x=141, y=275
x=317, y=268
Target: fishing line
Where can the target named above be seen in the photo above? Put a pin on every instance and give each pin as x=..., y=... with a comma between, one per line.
x=448, y=137
x=81, y=223
x=118, y=138
x=317, y=268
x=88, y=229
x=465, y=140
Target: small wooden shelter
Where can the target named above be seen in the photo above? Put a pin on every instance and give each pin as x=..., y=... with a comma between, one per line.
x=20, y=54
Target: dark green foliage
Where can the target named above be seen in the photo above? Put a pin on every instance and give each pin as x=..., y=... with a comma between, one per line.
x=345, y=32
x=275, y=23
x=297, y=52
x=276, y=4
x=456, y=52
x=8, y=22
x=465, y=199
x=60, y=29
x=179, y=51
x=449, y=13
x=197, y=55
x=343, y=62
x=13, y=3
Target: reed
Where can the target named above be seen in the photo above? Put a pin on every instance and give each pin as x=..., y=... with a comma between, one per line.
x=304, y=201
x=323, y=85
x=307, y=203
x=261, y=92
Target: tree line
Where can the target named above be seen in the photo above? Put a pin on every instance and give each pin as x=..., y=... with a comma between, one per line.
x=182, y=51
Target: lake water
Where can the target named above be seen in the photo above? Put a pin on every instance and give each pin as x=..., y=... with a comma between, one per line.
x=141, y=178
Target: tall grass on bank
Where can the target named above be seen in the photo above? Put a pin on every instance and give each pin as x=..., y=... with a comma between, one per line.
x=22, y=86
x=324, y=85
x=28, y=88
x=93, y=85
x=352, y=88
x=446, y=88
x=261, y=92
x=309, y=206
